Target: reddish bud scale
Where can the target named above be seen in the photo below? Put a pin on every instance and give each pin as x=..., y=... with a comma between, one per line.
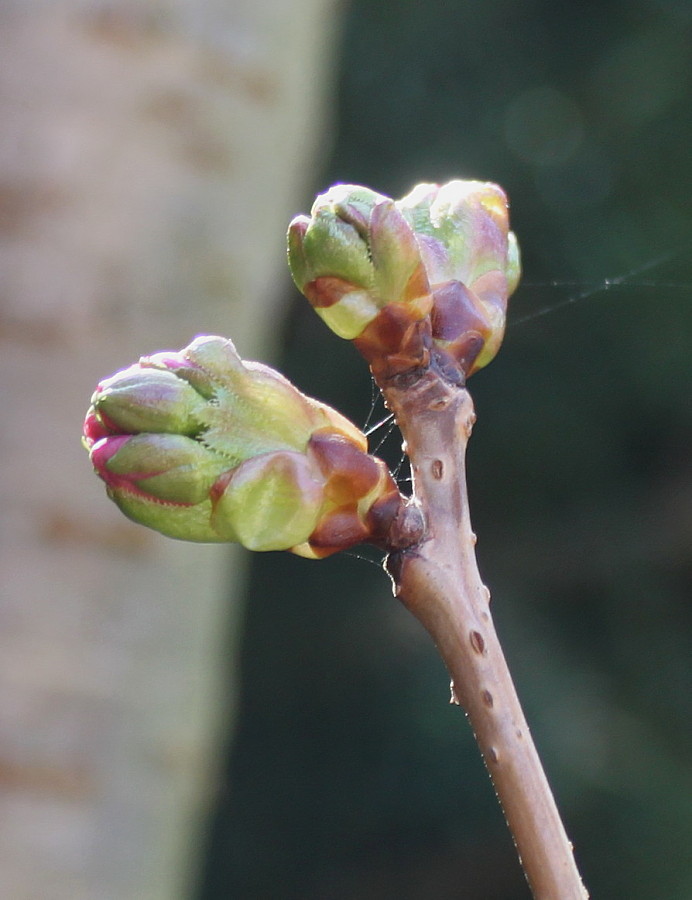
x=355, y=484
x=455, y=310
x=459, y=327
x=392, y=343
x=382, y=514
x=327, y=291
x=338, y=529
x=350, y=474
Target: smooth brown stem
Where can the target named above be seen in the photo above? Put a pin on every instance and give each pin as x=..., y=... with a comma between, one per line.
x=439, y=582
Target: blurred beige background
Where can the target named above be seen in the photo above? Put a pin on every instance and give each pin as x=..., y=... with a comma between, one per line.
x=151, y=155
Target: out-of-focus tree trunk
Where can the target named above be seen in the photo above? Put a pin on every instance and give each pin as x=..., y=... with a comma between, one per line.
x=150, y=156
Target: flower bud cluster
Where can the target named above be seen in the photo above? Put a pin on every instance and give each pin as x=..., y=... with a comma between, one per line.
x=428, y=275
x=203, y=446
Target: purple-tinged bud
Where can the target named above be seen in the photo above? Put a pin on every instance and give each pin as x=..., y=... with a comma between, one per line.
x=472, y=261
x=143, y=399
x=172, y=468
x=429, y=274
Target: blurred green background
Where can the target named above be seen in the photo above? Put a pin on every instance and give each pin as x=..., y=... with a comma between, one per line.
x=350, y=776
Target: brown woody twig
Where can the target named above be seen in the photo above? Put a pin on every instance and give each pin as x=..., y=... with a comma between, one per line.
x=438, y=581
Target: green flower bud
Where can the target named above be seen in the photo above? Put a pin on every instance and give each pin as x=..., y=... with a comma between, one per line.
x=149, y=400
x=426, y=276
x=203, y=446
x=355, y=255
x=172, y=468
x=160, y=480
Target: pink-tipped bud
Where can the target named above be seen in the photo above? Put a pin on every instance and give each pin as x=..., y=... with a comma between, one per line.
x=203, y=446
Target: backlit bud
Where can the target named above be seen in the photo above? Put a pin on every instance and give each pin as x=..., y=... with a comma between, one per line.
x=167, y=467
x=428, y=275
x=140, y=399
x=355, y=255
x=472, y=261
x=162, y=481
x=203, y=446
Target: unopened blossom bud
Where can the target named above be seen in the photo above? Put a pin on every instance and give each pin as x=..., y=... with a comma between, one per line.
x=357, y=261
x=160, y=480
x=426, y=276
x=147, y=399
x=203, y=446
x=172, y=468
x=472, y=262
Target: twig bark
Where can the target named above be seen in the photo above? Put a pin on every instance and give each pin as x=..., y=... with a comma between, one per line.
x=438, y=581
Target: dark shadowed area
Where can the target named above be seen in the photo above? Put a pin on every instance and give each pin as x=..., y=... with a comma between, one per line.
x=351, y=777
